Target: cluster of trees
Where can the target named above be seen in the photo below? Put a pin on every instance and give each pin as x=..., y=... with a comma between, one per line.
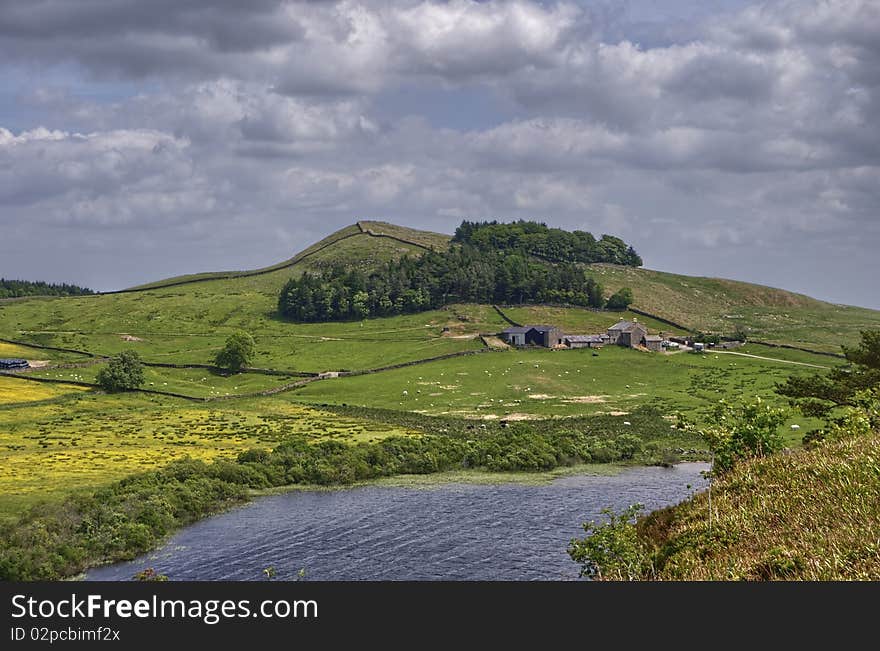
x=549, y=243
x=131, y=516
x=463, y=274
x=17, y=288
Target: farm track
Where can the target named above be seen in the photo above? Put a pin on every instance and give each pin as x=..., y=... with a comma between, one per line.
x=770, y=359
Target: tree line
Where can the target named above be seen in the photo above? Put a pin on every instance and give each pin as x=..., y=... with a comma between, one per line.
x=462, y=274
x=552, y=244
x=18, y=288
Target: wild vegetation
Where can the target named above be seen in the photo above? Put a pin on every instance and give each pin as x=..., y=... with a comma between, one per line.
x=58, y=439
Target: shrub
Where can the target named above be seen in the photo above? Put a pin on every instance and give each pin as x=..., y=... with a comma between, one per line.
x=612, y=550
x=742, y=432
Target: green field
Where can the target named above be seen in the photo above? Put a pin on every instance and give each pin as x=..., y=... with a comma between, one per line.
x=56, y=438
x=522, y=385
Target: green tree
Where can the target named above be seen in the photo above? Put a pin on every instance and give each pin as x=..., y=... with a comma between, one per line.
x=621, y=299
x=237, y=353
x=743, y=431
x=612, y=550
x=123, y=373
x=818, y=394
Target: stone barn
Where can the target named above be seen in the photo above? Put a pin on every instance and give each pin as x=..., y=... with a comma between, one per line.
x=585, y=341
x=544, y=335
x=516, y=336
x=539, y=335
x=627, y=333
x=654, y=343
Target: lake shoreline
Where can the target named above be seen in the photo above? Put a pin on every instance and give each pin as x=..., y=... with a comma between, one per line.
x=439, y=489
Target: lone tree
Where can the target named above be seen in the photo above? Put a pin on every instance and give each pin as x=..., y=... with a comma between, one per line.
x=123, y=373
x=238, y=352
x=620, y=300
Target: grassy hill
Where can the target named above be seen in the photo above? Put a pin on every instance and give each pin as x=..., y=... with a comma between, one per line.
x=719, y=305
x=363, y=245
x=211, y=304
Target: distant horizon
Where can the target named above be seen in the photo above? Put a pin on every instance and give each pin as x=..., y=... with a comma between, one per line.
x=269, y=263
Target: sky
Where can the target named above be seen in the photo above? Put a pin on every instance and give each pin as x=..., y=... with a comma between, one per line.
x=140, y=140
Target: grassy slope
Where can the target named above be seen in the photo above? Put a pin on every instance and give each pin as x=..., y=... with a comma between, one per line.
x=813, y=514
x=348, y=244
x=719, y=305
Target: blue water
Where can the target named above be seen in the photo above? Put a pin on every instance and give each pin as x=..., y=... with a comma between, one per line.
x=448, y=531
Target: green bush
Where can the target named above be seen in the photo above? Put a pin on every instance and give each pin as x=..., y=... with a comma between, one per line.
x=612, y=550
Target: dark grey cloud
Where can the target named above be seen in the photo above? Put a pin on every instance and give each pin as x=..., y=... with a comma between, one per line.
x=240, y=132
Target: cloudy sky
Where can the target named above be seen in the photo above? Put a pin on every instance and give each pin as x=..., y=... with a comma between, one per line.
x=142, y=139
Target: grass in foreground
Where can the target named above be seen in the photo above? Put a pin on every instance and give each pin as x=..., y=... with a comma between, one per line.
x=811, y=515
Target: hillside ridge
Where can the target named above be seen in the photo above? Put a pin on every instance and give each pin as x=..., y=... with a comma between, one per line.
x=363, y=227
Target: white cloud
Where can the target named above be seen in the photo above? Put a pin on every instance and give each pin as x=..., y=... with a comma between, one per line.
x=758, y=128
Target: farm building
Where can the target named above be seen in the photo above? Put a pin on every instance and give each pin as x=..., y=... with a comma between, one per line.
x=585, y=341
x=627, y=333
x=515, y=336
x=654, y=343
x=547, y=336
x=6, y=364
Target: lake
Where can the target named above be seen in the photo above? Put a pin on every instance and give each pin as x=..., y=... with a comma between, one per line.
x=453, y=531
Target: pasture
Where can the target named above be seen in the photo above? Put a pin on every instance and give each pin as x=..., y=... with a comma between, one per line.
x=533, y=384
x=84, y=439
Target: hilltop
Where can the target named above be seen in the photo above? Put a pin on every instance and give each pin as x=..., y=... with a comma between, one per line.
x=696, y=303
x=364, y=245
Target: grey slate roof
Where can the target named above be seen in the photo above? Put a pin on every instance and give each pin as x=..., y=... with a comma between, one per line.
x=517, y=330
x=625, y=326
x=543, y=328
x=585, y=339
x=621, y=325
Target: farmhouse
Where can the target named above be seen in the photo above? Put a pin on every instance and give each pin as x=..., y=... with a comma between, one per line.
x=547, y=336
x=630, y=334
x=6, y=364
